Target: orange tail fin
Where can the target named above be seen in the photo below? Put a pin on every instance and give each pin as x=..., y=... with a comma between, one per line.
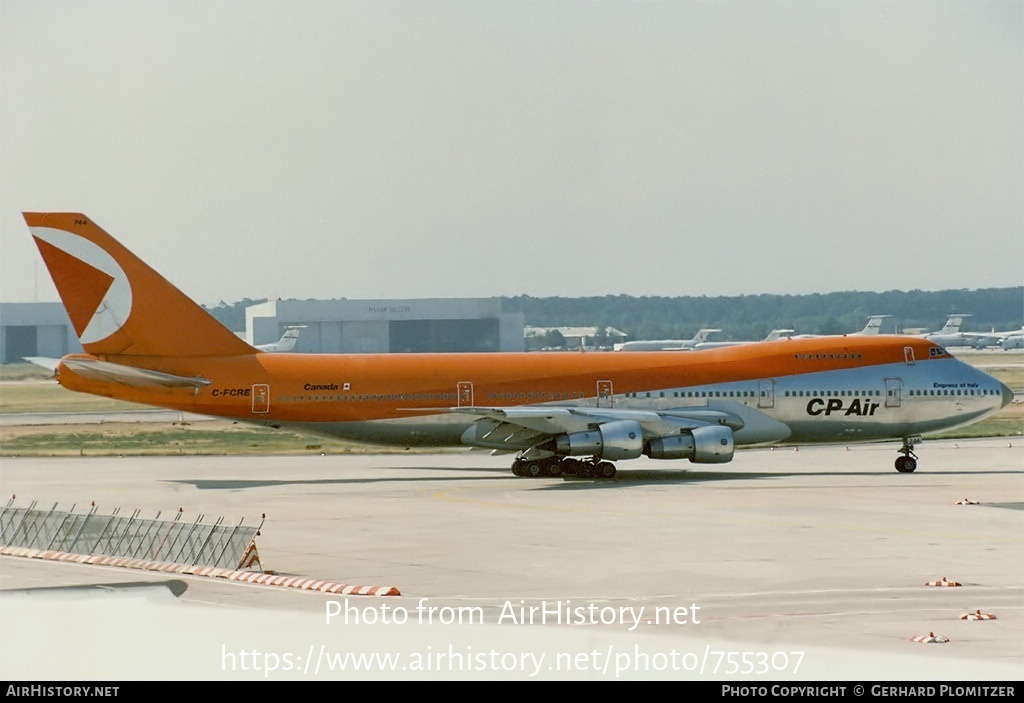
x=117, y=304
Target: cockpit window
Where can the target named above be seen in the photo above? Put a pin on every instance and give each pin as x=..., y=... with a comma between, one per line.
x=937, y=351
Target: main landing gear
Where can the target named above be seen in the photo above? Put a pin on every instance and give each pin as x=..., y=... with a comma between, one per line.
x=554, y=466
x=908, y=462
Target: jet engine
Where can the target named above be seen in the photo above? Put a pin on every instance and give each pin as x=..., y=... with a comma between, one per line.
x=622, y=439
x=701, y=445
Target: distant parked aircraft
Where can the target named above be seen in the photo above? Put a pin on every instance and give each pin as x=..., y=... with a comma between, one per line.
x=666, y=344
x=950, y=334
x=1013, y=341
x=873, y=326
x=772, y=336
x=287, y=341
x=981, y=340
x=699, y=341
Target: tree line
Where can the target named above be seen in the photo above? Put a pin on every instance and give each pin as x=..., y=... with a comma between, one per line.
x=748, y=317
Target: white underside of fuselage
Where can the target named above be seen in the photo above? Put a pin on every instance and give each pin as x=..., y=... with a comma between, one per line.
x=862, y=404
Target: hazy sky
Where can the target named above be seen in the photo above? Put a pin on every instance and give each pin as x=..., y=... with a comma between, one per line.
x=393, y=149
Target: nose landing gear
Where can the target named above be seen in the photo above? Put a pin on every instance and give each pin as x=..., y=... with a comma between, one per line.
x=908, y=462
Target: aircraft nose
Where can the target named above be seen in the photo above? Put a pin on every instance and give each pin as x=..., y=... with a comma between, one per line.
x=1007, y=394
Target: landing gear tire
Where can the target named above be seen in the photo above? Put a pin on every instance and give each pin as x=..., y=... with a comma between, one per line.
x=906, y=464
x=606, y=469
x=570, y=466
x=585, y=470
x=537, y=468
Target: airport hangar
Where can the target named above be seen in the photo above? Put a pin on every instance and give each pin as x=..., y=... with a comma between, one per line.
x=330, y=326
x=35, y=329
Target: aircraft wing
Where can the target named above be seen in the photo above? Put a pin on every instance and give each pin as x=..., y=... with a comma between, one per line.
x=515, y=428
x=984, y=339
x=130, y=375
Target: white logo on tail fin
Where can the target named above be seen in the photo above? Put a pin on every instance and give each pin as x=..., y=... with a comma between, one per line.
x=874, y=325
x=953, y=323
x=112, y=311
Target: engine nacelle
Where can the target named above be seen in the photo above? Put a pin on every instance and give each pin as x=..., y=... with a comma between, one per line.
x=623, y=439
x=702, y=445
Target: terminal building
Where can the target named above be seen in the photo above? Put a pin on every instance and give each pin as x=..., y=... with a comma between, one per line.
x=329, y=326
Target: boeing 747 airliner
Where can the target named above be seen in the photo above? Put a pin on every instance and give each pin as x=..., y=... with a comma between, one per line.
x=559, y=413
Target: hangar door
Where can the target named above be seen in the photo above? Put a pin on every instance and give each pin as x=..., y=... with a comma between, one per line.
x=20, y=341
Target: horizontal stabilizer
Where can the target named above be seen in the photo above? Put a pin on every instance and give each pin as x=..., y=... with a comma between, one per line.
x=130, y=375
x=44, y=361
